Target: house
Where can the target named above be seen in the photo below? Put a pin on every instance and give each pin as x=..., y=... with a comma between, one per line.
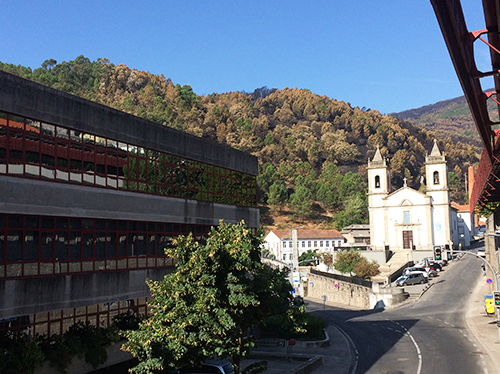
x=357, y=236
x=279, y=242
x=465, y=224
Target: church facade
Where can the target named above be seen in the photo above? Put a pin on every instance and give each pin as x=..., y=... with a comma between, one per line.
x=407, y=219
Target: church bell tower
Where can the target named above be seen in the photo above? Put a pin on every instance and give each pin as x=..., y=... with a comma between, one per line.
x=378, y=189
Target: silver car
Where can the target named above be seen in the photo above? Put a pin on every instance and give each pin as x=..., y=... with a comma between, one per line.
x=412, y=278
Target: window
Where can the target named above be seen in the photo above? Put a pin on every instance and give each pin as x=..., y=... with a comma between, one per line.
x=284, y=244
x=377, y=181
x=303, y=243
x=327, y=243
x=436, y=177
x=309, y=244
x=321, y=243
x=43, y=151
x=284, y=256
x=406, y=217
x=315, y=244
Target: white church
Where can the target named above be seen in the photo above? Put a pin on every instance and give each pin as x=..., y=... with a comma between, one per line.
x=408, y=220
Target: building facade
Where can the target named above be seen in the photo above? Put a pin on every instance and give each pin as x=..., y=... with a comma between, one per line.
x=279, y=242
x=407, y=219
x=91, y=196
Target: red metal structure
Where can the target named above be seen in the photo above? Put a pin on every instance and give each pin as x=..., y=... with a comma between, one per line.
x=460, y=42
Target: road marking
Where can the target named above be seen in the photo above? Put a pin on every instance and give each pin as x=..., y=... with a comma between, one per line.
x=419, y=352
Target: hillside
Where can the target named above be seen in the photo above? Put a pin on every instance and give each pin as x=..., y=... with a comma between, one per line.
x=312, y=150
x=448, y=118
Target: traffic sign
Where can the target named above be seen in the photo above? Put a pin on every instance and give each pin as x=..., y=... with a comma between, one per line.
x=489, y=281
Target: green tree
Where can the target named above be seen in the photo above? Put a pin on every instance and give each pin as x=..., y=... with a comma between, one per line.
x=346, y=261
x=268, y=175
x=207, y=306
x=352, y=262
x=277, y=196
x=366, y=269
x=308, y=257
x=301, y=202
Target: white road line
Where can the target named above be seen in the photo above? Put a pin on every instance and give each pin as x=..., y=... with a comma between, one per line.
x=419, y=352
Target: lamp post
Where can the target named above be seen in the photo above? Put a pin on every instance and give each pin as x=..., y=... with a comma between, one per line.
x=295, y=273
x=390, y=280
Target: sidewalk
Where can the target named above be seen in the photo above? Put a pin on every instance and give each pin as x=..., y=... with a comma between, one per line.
x=482, y=326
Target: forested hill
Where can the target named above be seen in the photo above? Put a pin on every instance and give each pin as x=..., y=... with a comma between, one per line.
x=312, y=149
x=448, y=118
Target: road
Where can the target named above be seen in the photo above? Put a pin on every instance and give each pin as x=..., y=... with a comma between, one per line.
x=427, y=336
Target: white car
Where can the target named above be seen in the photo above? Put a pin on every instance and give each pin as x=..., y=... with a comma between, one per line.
x=481, y=253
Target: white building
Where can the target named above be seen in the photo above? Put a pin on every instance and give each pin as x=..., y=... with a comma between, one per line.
x=465, y=222
x=406, y=219
x=279, y=242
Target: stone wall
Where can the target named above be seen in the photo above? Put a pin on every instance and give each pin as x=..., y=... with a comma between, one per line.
x=338, y=291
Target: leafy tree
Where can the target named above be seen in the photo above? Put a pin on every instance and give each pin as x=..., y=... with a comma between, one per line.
x=366, y=269
x=301, y=202
x=308, y=257
x=352, y=262
x=355, y=212
x=207, y=306
x=268, y=175
x=278, y=195
x=346, y=261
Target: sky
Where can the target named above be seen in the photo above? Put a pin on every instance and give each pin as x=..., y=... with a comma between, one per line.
x=387, y=55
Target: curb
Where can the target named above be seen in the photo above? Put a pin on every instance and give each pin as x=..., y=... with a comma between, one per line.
x=353, y=352
x=312, y=363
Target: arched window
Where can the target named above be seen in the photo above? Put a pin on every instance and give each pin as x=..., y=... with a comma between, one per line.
x=436, y=177
x=377, y=181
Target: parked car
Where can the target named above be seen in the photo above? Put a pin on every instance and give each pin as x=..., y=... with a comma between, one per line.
x=427, y=272
x=480, y=252
x=209, y=367
x=410, y=279
x=430, y=265
x=415, y=270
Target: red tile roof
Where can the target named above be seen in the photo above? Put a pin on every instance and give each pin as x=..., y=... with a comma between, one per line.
x=460, y=207
x=309, y=234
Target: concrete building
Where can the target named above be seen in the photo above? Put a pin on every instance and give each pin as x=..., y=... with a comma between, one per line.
x=356, y=236
x=90, y=197
x=406, y=219
x=279, y=242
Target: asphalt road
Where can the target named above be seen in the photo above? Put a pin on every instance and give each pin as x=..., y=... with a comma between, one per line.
x=427, y=336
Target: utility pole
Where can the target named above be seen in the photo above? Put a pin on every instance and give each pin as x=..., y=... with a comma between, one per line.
x=295, y=273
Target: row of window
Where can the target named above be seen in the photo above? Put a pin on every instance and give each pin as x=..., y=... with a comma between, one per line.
x=33, y=245
x=34, y=149
x=314, y=243
x=59, y=321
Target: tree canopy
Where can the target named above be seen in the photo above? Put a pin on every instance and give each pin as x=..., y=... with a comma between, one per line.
x=206, y=307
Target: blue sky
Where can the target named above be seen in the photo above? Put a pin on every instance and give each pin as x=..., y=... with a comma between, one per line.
x=387, y=55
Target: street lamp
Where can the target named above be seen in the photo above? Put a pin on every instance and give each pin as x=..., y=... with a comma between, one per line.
x=295, y=273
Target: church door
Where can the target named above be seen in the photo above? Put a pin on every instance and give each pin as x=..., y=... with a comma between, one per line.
x=407, y=239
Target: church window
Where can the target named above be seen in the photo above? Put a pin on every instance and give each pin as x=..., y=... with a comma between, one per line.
x=436, y=177
x=377, y=181
x=406, y=217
